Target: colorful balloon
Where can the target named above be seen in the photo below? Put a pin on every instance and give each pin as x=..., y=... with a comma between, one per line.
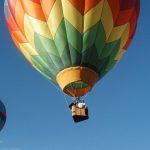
x=73, y=43
x=2, y=115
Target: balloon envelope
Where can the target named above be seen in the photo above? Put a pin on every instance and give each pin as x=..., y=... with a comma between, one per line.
x=72, y=43
x=2, y=115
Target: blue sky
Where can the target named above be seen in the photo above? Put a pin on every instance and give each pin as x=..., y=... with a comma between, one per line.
x=119, y=105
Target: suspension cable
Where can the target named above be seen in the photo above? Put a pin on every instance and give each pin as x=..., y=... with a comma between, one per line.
x=56, y=87
x=64, y=95
x=66, y=100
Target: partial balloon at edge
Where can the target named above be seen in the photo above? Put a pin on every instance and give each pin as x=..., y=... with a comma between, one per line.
x=2, y=115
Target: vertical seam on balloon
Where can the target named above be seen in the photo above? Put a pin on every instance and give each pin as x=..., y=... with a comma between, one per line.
x=129, y=24
x=108, y=36
x=31, y=44
x=98, y=25
x=99, y=21
x=47, y=67
x=54, y=43
x=55, y=35
x=121, y=34
x=66, y=35
x=43, y=44
x=82, y=32
x=67, y=43
x=137, y=15
x=125, y=31
x=12, y=17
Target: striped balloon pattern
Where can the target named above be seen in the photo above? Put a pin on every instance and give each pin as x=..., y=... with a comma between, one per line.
x=2, y=115
x=57, y=34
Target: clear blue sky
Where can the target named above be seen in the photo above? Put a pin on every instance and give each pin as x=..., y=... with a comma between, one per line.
x=119, y=105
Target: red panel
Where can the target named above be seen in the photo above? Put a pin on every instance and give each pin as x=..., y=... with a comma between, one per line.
x=47, y=6
x=127, y=4
x=12, y=25
x=124, y=17
x=11, y=5
x=84, y=5
x=36, y=1
x=115, y=8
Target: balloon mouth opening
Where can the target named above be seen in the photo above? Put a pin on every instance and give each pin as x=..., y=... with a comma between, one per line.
x=76, y=81
x=78, y=88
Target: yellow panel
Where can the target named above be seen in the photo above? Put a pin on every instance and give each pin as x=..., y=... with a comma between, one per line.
x=37, y=69
x=125, y=36
x=26, y=54
x=72, y=15
x=107, y=19
x=120, y=54
x=27, y=47
x=117, y=33
x=124, y=39
x=29, y=31
x=55, y=17
x=39, y=27
x=93, y=16
x=19, y=16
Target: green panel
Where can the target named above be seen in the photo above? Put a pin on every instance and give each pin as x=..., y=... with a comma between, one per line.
x=66, y=51
x=75, y=56
x=115, y=50
x=61, y=43
x=46, y=44
x=90, y=58
x=66, y=57
x=110, y=59
x=100, y=40
x=43, y=68
x=45, y=63
x=109, y=48
x=77, y=85
x=52, y=61
x=109, y=67
x=61, y=38
x=89, y=37
x=102, y=64
x=73, y=36
x=58, y=63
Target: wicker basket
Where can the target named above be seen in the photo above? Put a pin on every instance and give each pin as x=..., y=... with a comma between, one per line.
x=79, y=114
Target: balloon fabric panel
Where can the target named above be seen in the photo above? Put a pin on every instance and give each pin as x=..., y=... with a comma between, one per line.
x=57, y=34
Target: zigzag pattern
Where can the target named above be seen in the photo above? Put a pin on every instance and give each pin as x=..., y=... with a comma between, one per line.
x=55, y=34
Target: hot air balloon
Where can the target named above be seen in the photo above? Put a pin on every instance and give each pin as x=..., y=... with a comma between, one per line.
x=73, y=43
x=2, y=115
